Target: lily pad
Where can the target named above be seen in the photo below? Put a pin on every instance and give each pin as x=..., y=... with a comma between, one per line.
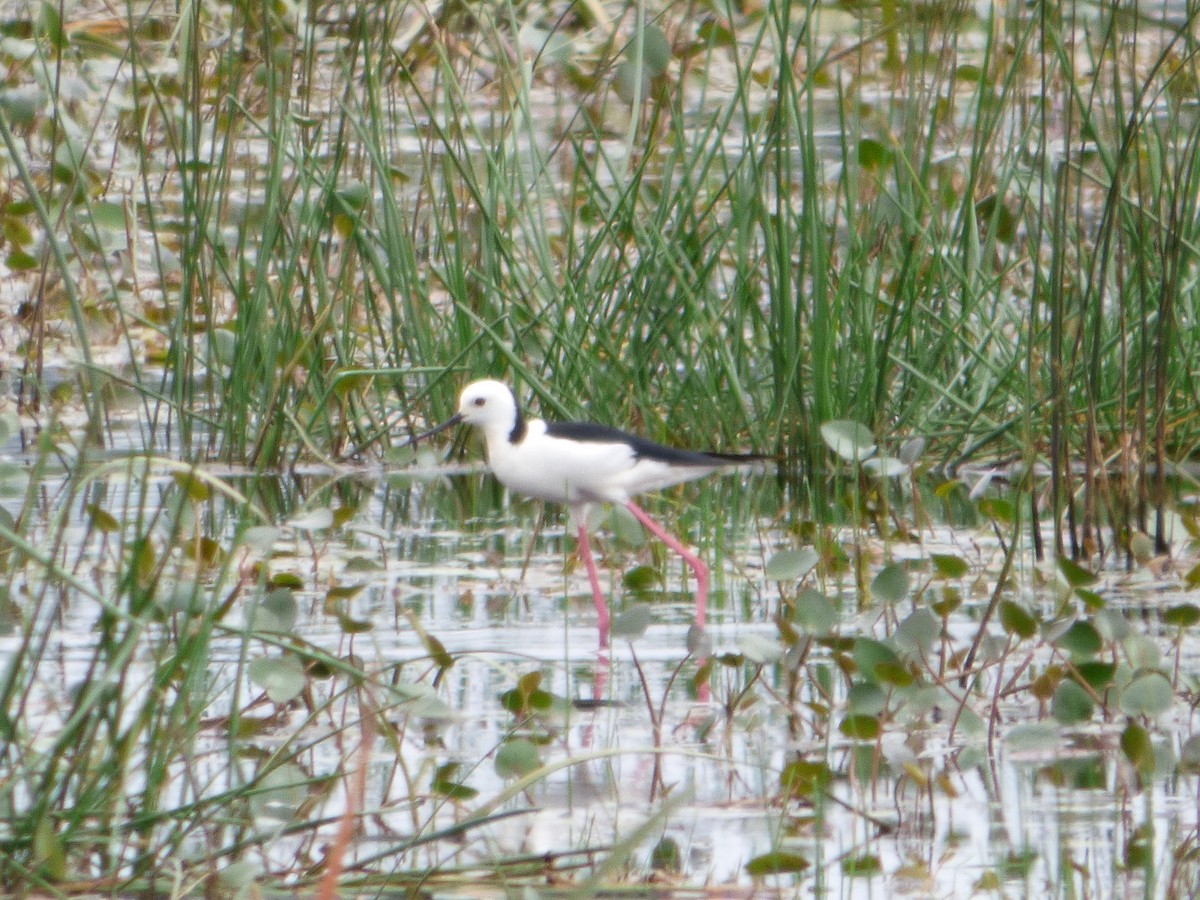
x=517, y=757
x=632, y=623
x=851, y=441
x=1071, y=704
x=789, y=565
x=891, y=584
x=282, y=677
x=815, y=613
x=1149, y=694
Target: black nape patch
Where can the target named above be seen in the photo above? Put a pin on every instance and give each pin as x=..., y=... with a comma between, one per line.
x=518, y=430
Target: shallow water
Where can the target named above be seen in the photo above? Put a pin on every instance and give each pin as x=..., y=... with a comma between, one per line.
x=939, y=812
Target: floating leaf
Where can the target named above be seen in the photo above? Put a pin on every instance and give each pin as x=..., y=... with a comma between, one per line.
x=699, y=643
x=1112, y=625
x=872, y=154
x=777, y=862
x=912, y=450
x=446, y=784
x=223, y=345
x=626, y=82
x=642, y=578
x=1141, y=546
x=666, y=856
x=1033, y=737
x=1185, y=615
x=1017, y=620
x=1192, y=578
x=860, y=728
x=895, y=674
x=804, y=779
x=715, y=32
x=20, y=261
x=1189, y=755
x=549, y=47
x=865, y=698
x=20, y=106
x=1135, y=744
x=760, y=650
x=1044, y=685
x=948, y=566
x=344, y=591
x=437, y=651
x=918, y=633
x=1075, y=575
x=851, y=441
x=237, y=879
x=527, y=698
x=632, y=623
x=656, y=51
x=951, y=600
x=185, y=597
x=1080, y=640
x=349, y=625
x=102, y=519
x=1098, y=675
x=886, y=467
x=998, y=510
x=517, y=757
x=204, y=550
x=1071, y=704
x=10, y=426
x=1141, y=651
x=1139, y=849
x=261, y=538
x=1149, y=694
x=280, y=792
x=869, y=654
x=107, y=215
x=282, y=677
x=891, y=584
x=814, y=612
x=312, y=520
x=862, y=866
x=49, y=854
x=275, y=612
x=625, y=528
x=789, y=565
x=992, y=211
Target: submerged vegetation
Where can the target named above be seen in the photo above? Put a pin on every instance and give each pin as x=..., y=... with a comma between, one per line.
x=939, y=259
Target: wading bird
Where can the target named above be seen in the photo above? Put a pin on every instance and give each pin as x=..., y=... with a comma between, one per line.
x=580, y=464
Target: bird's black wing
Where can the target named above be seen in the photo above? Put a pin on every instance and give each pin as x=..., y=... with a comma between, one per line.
x=644, y=448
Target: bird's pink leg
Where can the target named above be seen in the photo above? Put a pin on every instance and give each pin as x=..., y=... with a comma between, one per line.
x=696, y=564
x=585, y=550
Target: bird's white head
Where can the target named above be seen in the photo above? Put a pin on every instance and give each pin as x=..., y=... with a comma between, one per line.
x=487, y=404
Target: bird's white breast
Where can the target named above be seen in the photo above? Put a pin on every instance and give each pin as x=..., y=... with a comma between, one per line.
x=564, y=470
x=560, y=470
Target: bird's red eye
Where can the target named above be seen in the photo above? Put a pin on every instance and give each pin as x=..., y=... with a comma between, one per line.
x=479, y=401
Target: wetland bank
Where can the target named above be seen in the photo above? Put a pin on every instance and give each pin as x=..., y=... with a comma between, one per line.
x=937, y=259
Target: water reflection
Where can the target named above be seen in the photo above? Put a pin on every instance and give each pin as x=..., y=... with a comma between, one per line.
x=475, y=630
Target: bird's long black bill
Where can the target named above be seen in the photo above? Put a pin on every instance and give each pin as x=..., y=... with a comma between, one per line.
x=449, y=423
